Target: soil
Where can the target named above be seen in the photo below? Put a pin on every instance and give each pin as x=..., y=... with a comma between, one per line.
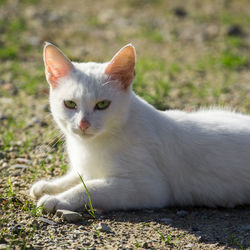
x=190, y=54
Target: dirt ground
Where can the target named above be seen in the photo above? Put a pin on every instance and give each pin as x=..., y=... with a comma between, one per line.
x=190, y=54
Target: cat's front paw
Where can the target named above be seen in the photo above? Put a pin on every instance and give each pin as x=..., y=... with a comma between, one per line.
x=40, y=188
x=52, y=203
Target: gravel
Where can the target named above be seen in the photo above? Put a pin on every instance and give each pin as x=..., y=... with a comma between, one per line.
x=183, y=43
x=103, y=227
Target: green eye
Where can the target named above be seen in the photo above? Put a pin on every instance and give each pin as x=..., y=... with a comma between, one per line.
x=102, y=104
x=70, y=104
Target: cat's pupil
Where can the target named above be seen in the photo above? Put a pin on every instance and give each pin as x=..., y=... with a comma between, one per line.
x=102, y=105
x=70, y=104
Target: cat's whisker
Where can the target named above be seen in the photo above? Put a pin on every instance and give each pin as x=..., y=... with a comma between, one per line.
x=108, y=82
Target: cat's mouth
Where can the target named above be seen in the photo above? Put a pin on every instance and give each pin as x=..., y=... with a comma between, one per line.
x=87, y=135
x=83, y=134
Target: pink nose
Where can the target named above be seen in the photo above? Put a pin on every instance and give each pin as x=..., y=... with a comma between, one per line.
x=84, y=124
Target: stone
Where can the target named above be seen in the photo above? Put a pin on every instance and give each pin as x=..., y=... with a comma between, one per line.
x=180, y=12
x=4, y=166
x=103, y=227
x=235, y=30
x=82, y=227
x=69, y=216
x=2, y=156
x=34, y=41
x=23, y=161
x=19, y=166
x=189, y=245
x=76, y=231
x=17, y=229
x=35, y=224
x=45, y=220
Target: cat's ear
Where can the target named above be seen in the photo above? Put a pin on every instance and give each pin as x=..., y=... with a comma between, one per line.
x=57, y=65
x=122, y=66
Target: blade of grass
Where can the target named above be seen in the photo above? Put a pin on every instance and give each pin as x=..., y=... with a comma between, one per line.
x=91, y=211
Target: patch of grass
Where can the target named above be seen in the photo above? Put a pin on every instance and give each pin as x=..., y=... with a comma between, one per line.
x=9, y=188
x=63, y=169
x=31, y=84
x=137, y=244
x=8, y=53
x=149, y=83
x=2, y=2
x=233, y=241
x=235, y=42
x=227, y=60
x=230, y=60
x=8, y=137
x=32, y=209
x=152, y=34
x=17, y=24
x=138, y=3
x=169, y=240
x=231, y=19
x=97, y=233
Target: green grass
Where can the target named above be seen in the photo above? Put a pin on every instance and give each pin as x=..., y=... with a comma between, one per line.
x=152, y=34
x=234, y=241
x=148, y=71
x=171, y=73
x=232, y=61
x=90, y=210
x=227, y=60
x=169, y=239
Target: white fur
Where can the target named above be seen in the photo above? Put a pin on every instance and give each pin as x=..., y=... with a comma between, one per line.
x=135, y=156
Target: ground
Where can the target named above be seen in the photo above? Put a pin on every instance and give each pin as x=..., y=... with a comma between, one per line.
x=190, y=54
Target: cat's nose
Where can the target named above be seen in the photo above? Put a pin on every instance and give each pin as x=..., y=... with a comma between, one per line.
x=84, y=124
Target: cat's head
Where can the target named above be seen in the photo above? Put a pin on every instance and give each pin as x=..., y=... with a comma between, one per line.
x=89, y=99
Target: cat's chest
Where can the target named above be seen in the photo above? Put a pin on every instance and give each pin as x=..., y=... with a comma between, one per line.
x=92, y=162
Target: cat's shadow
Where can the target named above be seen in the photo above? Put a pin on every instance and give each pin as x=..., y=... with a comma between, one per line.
x=223, y=227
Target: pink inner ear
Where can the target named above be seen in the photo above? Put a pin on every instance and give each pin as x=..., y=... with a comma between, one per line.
x=57, y=65
x=122, y=66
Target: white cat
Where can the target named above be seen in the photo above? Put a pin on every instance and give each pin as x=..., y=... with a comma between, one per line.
x=131, y=155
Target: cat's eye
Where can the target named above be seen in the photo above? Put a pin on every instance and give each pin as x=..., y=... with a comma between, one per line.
x=102, y=105
x=69, y=104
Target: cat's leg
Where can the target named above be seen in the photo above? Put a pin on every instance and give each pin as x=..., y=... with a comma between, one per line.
x=109, y=194
x=54, y=186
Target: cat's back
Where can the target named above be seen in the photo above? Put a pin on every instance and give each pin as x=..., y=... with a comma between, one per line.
x=211, y=120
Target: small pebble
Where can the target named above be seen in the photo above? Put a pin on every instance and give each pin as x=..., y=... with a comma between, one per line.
x=82, y=227
x=4, y=166
x=180, y=12
x=35, y=224
x=50, y=222
x=19, y=166
x=23, y=161
x=77, y=231
x=1, y=153
x=103, y=227
x=69, y=216
x=189, y=245
x=16, y=229
x=235, y=30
